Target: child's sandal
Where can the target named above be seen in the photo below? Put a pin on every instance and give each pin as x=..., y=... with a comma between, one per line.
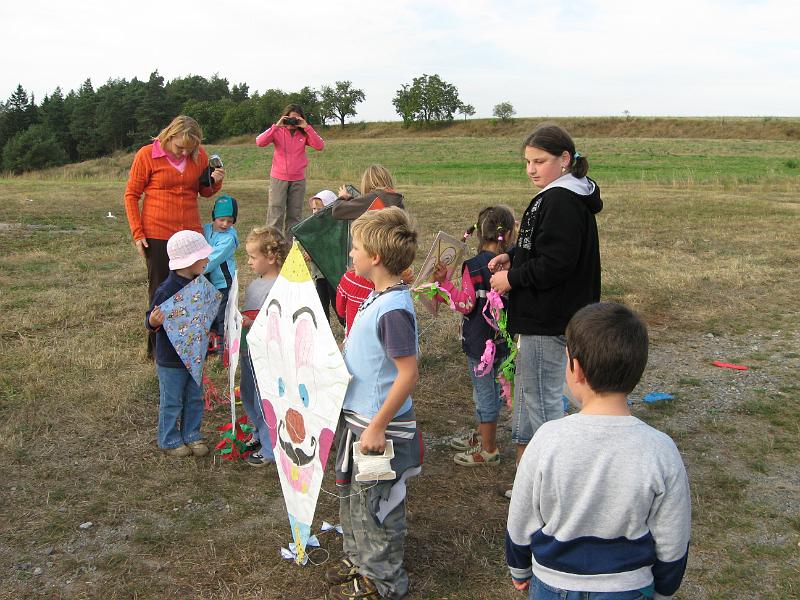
x=341, y=572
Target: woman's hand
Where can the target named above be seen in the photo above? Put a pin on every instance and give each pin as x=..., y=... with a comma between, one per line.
x=280, y=122
x=301, y=123
x=343, y=193
x=218, y=175
x=156, y=318
x=499, y=282
x=140, y=247
x=501, y=262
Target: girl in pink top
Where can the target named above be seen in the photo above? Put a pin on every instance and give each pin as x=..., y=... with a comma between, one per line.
x=287, y=178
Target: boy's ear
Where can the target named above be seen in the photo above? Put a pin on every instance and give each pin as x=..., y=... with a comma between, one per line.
x=375, y=260
x=577, y=370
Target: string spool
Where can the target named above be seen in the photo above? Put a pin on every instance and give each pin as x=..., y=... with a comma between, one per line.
x=374, y=467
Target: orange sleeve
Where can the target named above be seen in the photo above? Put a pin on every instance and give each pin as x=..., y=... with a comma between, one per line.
x=137, y=180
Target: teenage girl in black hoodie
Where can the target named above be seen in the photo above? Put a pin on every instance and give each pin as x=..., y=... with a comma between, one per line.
x=553, y=271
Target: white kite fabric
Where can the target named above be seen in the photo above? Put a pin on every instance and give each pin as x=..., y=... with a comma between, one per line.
x=302, y=380
x=233, y=336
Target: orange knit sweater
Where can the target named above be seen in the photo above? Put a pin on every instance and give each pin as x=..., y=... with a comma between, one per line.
x=170, y=197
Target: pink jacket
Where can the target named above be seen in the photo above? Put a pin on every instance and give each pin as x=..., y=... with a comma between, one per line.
x=289, y=161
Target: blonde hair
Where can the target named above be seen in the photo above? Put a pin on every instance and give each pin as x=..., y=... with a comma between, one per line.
x=390, y=234
x=376, y=177
x=270, y=242
x=186, y=130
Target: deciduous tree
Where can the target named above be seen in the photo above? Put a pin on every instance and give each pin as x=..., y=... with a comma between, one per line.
x=339, y=102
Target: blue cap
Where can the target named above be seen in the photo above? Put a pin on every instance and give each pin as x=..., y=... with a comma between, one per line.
x=225, y=206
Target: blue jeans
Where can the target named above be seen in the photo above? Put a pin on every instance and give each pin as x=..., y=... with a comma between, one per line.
x=541, y=591
x=538, y=384
x=251, y=401
x=181, y=399
x=486, y=391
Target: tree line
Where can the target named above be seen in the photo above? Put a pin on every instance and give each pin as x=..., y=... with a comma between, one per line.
x=122, y=115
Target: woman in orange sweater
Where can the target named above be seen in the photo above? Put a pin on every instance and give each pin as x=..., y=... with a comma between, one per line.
x=170, y=173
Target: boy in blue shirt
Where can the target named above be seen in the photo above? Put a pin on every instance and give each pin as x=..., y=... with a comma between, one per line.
x=223, y=238
x=381, y=354
x=601, y=506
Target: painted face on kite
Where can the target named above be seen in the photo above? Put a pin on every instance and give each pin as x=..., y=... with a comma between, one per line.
x=302, y=381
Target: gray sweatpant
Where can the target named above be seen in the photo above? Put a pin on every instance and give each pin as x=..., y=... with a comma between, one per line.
x=285, y=207
x=376, y=548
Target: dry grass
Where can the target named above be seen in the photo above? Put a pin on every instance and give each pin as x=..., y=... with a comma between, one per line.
x=78, y=403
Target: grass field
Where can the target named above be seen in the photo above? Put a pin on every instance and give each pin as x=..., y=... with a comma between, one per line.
x=699, y=235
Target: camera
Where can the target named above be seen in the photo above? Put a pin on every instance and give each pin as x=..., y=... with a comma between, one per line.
x=291, y=121
x=214, y=162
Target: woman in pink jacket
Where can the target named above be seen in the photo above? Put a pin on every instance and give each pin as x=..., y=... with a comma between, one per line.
x=287, y=178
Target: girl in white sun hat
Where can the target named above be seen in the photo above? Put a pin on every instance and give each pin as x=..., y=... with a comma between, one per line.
x=181, y=398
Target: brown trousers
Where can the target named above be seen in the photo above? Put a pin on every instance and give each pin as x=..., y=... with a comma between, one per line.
x=157, y=271
x=285, y=208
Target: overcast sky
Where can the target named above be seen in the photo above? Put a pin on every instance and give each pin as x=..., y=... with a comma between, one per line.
x=683, y=57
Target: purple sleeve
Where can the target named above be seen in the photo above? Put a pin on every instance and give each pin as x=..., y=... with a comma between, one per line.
x=397, y=333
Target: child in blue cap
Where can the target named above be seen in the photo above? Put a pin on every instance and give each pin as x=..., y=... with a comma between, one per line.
x=223, y=238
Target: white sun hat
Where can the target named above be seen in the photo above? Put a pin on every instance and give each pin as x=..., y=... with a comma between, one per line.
x=185, y=248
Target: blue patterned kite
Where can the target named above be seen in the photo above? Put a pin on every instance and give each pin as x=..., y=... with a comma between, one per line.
x=188, y=317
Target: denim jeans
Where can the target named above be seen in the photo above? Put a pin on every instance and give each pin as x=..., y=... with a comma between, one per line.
x=486, y=391
x=538, y=384
x=181, y=400
x=541, y=591
x=251, y=401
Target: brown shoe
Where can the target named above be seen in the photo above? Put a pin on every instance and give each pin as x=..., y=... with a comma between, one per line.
x=360, y=588
x=341, y=572
x=179, y=452
x=198, y=448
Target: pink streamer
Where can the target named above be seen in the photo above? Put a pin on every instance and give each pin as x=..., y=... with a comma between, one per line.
x=487, y=360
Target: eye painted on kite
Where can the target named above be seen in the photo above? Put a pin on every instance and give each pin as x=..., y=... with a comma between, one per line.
x=305, y=333
x=281, y=387
x=304, y=394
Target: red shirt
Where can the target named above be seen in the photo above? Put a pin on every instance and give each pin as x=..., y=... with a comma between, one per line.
x=350, y=293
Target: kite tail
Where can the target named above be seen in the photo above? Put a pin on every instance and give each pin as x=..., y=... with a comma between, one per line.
x=234, y=435
x=211, y=395
x=495, y=314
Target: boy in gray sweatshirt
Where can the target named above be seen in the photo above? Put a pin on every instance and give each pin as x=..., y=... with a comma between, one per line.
x=601, y=499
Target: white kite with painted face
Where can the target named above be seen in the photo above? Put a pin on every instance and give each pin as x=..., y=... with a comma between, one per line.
x=302, y=380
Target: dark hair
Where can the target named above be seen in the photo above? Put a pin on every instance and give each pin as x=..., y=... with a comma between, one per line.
x=555, y=140
x=609, y=340
x=495, y=224
x=293, y=108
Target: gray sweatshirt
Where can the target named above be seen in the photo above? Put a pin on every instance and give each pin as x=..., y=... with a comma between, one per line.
x=600, y=503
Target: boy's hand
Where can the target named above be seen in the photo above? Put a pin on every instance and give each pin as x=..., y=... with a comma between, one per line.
x=373, y=439
x=521, y=586
x=156, y=318
x=247, y=321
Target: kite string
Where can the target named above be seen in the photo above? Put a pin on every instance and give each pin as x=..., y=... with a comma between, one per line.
x=323, y=490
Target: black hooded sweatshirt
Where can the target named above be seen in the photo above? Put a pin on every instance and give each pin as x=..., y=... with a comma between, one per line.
x=555, y=266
